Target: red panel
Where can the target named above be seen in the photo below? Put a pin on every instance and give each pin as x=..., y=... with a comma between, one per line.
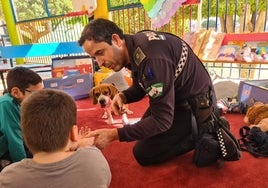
x=188, y=2
x=245, y=37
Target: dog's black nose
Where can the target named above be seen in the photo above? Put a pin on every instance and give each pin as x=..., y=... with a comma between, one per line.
x=102, y=102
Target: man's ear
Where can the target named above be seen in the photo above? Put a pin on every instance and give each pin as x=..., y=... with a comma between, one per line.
x=74, y=133
x=16, y=92
x=116, y=40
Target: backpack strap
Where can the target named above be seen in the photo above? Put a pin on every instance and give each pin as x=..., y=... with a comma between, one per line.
x=246, y=144
x=194, y=126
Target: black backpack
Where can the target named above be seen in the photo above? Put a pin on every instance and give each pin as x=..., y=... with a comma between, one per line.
x=211, y=133
x=254, y=141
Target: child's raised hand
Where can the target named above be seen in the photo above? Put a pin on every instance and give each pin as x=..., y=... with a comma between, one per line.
x=83, y=141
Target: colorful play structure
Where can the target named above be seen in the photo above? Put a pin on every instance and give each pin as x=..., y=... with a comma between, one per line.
x=164, y=15
x=19, y=50
x=41, y=46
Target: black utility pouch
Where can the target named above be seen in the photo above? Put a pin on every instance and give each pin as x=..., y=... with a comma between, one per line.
x=201, y=106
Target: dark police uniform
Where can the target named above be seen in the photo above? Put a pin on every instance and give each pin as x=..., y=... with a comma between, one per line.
x=166, y=69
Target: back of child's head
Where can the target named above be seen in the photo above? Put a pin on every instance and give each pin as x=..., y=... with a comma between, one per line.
x=22, y=78
x=47, y=118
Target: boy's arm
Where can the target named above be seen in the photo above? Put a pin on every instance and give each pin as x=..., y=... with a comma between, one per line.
x=13, y=133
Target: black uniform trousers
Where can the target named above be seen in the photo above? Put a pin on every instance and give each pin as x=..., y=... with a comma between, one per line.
x=175, y=141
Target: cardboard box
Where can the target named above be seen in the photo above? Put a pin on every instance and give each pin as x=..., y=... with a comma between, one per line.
x=77, y=86
x=71, y=65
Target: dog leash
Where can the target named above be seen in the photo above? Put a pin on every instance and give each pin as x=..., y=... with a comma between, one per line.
x=124, y=118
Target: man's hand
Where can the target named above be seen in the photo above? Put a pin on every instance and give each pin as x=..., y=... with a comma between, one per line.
x=118, y=104
x=103, y=137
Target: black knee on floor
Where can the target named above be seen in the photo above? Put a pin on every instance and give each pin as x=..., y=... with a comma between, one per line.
x=140, y=156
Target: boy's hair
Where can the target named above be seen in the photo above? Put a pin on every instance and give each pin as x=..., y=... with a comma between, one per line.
x=100, y=30
x=22, y=78
x=47, y=117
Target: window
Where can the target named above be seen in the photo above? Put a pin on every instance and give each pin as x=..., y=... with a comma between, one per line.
x=38, y=9
x=121, y=4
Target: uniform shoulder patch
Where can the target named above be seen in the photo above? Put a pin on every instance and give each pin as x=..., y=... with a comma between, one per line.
x=139, y=56
x=155, y=90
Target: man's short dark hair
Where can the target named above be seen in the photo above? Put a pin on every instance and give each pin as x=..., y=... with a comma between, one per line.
x=100, y=30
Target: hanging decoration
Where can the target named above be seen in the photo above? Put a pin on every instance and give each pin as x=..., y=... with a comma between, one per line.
x=160, y=11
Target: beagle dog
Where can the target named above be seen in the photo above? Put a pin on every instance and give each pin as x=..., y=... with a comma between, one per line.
x=103, y=95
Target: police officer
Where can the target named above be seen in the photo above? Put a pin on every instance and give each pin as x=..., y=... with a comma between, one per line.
x=164, y=68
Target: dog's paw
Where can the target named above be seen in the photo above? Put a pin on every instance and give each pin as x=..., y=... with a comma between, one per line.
x=105, y=115
x=110, y=121
x=129, y=111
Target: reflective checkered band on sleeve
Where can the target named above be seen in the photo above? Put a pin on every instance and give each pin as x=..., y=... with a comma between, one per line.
x=184, y=55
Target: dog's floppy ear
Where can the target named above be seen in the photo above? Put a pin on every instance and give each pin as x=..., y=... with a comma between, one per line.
x=113, y=90
x=92, y=95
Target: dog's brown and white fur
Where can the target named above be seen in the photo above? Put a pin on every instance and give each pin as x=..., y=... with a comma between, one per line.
x=103, y=95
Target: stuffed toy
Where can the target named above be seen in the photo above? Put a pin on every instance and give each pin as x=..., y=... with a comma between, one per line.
x=257, y=116
x=245, y=54
x=262, y=53
x=228, y=105
x=227, y=53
